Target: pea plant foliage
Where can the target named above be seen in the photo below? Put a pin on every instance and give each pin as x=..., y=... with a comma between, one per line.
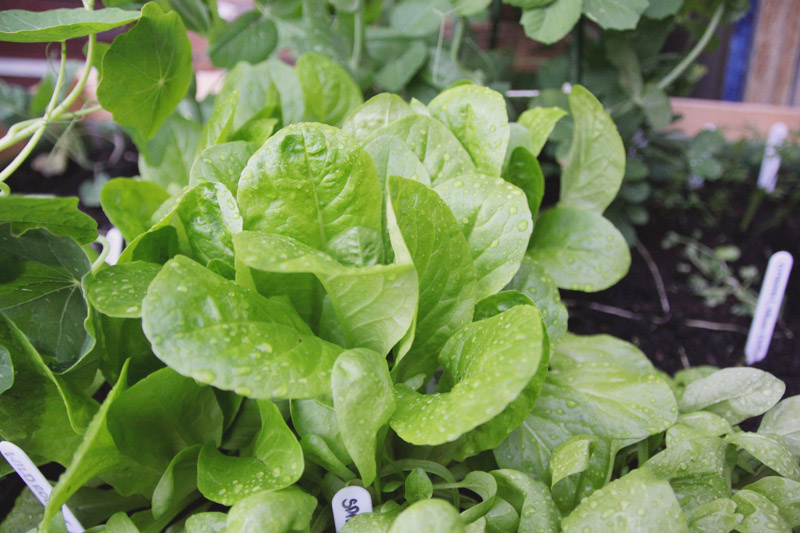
x=319, y=291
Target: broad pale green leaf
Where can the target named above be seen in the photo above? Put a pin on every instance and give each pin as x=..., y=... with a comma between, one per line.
x=167, y=404
x=329, y=92
x=663, y=9
x=209, y=328
x=616, y=14
x=495, y=218
x=444, y=267
x=785, y=493
x=703, y=423
x=316, y=450
x=363, y=398
x=157, y=245
x=317, y=417
x=540, y=122
x=713, y=517
x=523, y=170
x=656, y=106
x=466, y=8
x=178, y=484
x=166, y=159
x=784, y=420
x=433, y=144
x=6, y=370
x=533, y=281
x=280, y=511
x=375, y=305
x=147, y=71
x=482, y=484
x=552, y=22
x=635, y=502
x=208, y=522
x=219, y=126
x=736, y=394
x=478, y=118
x=393, y=157
x=130, y=204
x=419, y=17
x=370, y=522
x=531, y=498
x=121, y=523
x=33, y=414
x=53, y=25
x=428, y=516
x=222, y=163
x=497, y=303
x=770, y=450
x=119, y=289
x=760, y=514
x=579, y=249
x=40, y=291
x=377, y=112
x=488, y=364
x=417, y=486
x=59, y=216
x=571, y=457
x=251, y=37
x=97, y=455
x=276, y=462
x=577, y=349
x=595, y=165
x=395, y=75
x=313, y=183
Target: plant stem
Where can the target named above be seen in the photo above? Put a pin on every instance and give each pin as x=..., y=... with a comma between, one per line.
x=358, y=37
x=679, y=69
x=101, y=258
x=576, y=69
x=458, y=38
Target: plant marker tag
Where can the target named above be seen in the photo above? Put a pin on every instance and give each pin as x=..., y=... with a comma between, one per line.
x=768, y=175
x=349, y=502
x=769, y=303
x=32, y=477
x=114, y=246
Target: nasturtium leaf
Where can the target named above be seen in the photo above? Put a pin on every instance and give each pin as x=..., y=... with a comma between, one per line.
x=166, y=159
x=532, y=500
x=59, y=216
x=54, y=25
x=439, y=150
x=32, y=411
x=251, y=37
x=714, y=516
x=785, y=493
x=207, y=522
x=178, y=483
x=784, y=420
x=615, y=14
x=489, y=363
x=523, y=170
x=177, y=409
x=147, y=71
x=118, y=290
x=533, y=281
x=276, y=462
x=656, y=106
x=540, y=121
x=761, y=515
x=375, y=305
x=428, y=516
x=736, y=394
x=477, y=117
x=579, y=249
x=281, y=511
x=466, y=8
x=552, y=22
x=130, y=204
x=442, y=259
x=635, y=502
x=396, y=74
x=6, y=370
x=329, y=92
x=209, y=328
x=377, y=112
x=418, y=486
x=574, y=350
x=419, y=18
x=40, y=291
x=595, y=165
x=222, y=163
x=663, y=9
x=770, y=450
x=495, y=218
x=393, y=157
x=313, y=183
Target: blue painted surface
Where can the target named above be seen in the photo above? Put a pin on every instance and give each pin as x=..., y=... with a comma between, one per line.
x=733, y=85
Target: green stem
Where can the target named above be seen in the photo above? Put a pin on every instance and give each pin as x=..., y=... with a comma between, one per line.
x=752, y=209
x=679, y=69
x=576, y=69
x=78, y=89
x=101, y=258
x=358, y=37
x=458, y=38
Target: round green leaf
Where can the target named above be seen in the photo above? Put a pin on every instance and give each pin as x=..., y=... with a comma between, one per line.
x=53, y=25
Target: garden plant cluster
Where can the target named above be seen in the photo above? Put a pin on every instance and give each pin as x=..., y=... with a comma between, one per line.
x=320, y=291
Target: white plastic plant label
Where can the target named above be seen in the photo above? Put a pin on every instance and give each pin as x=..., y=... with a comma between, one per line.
x=114, y=246
x=768, y=175
x=349, y=502
x=769, y=304
x=38, y=484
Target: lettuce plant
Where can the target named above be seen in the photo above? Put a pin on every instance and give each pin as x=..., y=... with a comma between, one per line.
x=322, y=292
